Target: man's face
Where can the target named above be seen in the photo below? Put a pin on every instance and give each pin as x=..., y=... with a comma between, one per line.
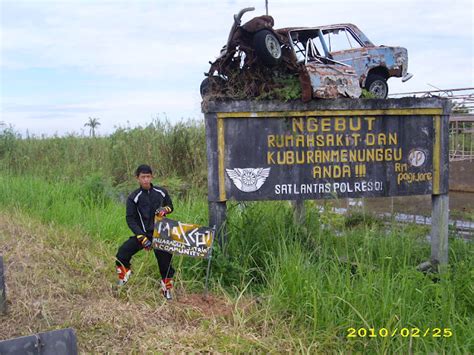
x=145, y=180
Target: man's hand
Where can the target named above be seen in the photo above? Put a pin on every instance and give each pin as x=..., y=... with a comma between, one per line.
x=163, y=211
x=144, y=241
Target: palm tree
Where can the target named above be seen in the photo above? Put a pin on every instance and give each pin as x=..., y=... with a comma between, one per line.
x=93, y=123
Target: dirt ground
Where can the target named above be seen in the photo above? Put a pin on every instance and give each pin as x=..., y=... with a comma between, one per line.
x=55, y=280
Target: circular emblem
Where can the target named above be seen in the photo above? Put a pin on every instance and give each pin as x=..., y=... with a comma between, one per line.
x=416, y=157
x=249, y=178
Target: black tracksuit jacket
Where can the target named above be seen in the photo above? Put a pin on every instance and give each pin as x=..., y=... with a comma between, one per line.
x=141, y=207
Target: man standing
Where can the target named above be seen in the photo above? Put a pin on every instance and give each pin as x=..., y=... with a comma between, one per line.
x=142, y=205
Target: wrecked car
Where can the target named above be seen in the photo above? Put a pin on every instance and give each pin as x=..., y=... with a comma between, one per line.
x=373, y=64
x=324, y=68
x=320, y=75
x=248, y=46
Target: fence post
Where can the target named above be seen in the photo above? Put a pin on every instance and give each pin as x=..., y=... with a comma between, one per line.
x=298, y=211
x=3, y=295
x=217, y=217
x=439, y=229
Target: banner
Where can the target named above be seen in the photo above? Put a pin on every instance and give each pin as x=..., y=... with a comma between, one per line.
x=326, y=149
x=182, y=238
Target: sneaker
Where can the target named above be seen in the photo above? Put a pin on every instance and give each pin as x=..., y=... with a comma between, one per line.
x=166, y=286
x=123, y=275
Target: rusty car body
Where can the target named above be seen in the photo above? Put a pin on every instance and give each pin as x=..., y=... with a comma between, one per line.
x=324, y=70
x=257, y=43
x=346, y=43
x=320, y=75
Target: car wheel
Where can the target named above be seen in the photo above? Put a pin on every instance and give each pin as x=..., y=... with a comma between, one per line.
x=377, y=85
x=210, y=84
x=204, y=88
x=267, y=47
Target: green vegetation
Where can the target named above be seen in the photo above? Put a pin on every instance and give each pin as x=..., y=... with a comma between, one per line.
x=308, y=284
x=261, y=83
x=286, y=87
x=366, y=94
x=177, y=151
x=461, y=139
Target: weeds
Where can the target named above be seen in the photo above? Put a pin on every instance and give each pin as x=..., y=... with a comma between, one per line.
x=297, y=288
x=177, y=152
x=316, y=281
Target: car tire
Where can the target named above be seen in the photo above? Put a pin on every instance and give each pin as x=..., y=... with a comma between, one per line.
x=267, y=47
x=204, y=87
x=377, y=85
x=210, y=83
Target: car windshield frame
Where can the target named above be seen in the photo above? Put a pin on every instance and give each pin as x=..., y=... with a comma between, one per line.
x=309, y=47
x=335, y=29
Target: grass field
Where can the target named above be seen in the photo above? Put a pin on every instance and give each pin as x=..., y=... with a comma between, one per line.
x=278, y=286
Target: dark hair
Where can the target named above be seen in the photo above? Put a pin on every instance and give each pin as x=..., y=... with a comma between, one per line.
x=143, y=169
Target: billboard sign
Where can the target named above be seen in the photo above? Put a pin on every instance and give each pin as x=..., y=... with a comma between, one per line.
x=316, y=154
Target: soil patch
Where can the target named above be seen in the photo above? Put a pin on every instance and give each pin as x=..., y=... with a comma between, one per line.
x=55, y=279
x=209, y=306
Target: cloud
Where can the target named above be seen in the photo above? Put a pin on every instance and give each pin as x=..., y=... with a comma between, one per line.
x=120, y=39
x=150, y=39
x=114, y=109
x=140, y=58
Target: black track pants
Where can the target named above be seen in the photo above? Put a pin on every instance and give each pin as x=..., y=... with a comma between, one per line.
x=132, y=246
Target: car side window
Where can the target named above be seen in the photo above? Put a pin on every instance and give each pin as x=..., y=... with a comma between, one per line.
x=340, y=40
x=309, y=46
x=299, y=51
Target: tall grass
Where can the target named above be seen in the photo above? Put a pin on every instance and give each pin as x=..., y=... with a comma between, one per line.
x=177, y=152
x=312, y=281
x=319, y=280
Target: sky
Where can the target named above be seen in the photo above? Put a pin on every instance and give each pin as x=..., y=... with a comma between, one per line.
x=130, y=62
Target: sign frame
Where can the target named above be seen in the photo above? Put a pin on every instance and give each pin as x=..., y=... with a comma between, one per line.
x=217, y=112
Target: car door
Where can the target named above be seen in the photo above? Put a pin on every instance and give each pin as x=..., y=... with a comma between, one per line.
x=344, y=46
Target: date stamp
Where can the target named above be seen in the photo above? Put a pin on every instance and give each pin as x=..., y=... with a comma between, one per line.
x=402, y=332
